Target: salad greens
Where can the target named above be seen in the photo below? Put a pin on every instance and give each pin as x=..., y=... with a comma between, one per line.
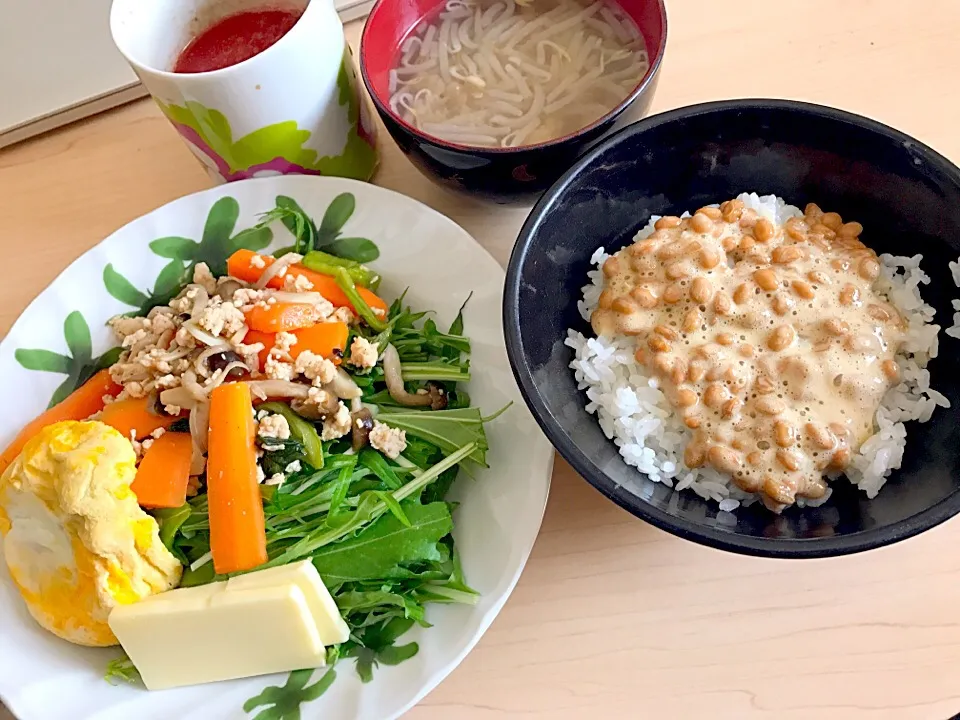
x=377, y=529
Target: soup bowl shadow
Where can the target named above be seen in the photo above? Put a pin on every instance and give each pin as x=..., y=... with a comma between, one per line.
x=906, y=196
x=503, y=175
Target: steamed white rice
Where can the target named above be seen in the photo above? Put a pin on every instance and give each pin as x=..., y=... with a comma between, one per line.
x=639, y=419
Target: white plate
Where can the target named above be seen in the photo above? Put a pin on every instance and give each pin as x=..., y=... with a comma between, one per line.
x=43, y=678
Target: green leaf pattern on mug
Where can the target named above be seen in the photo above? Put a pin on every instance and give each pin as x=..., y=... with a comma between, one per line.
x=210, y=132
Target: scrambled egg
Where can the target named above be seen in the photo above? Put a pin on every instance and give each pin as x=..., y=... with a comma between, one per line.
x=75, y=539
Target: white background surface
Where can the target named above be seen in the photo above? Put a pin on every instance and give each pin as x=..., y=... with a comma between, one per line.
x=54, y=54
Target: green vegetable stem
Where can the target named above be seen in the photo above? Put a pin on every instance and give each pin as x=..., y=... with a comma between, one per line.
x=349, y=288
x=302, y=430
x=327, y=264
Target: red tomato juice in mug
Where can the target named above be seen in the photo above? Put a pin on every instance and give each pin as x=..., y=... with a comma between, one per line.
x=235, y=38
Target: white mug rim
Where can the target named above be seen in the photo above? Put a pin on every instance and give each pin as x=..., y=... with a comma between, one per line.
x=191, y=77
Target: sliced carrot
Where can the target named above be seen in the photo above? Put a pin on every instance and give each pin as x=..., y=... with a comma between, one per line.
x=282, y=317
x=164, y=472
x=135, y=416
x=320, y=339
x=267, y=339
x=240, y=265
x=79, y=405
x=327, y=286
x=238, y=540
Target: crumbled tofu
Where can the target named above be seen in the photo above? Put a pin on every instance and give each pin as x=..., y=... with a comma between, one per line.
x=167, y=381
x=247, y=297
x=161, y=323
x=275, y=426
x=258, y=262
x=298, y=283
x=131, y=340
x=390, y=441
x=278, y=365
x=220, y=318
x=344, y=315
x=275, y=479
x=363, y=353
x=284, y=341
x=277, y=369
x=158, y=433
x=315, y=367
x=183, y=338
x=182, y=303
x=146, y=444
x=124, y=326
x=250, y=354
x=172, y=409
x=293, y=467
x=260, y=415
x=203, y=277
x=134, y=390
x=336, y=425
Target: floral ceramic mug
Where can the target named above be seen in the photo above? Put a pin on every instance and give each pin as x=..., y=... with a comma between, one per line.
x=294, y=108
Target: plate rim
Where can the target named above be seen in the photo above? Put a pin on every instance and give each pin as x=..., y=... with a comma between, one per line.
x=543, y=454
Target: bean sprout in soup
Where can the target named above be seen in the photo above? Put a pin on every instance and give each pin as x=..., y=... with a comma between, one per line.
x=505, y=73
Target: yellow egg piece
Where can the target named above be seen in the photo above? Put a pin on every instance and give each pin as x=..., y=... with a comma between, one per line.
x=75, y=540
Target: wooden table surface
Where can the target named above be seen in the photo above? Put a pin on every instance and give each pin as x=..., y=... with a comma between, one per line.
x=613, y=618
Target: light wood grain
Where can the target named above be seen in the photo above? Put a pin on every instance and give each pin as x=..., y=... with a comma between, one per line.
x=612, y=618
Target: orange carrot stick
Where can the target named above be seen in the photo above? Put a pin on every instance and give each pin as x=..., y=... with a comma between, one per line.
x=321, y=339
x=164, y=472
x=79, y=405
x=135, y=416
x=238, y=540
x=240, y=266
x=282, y=317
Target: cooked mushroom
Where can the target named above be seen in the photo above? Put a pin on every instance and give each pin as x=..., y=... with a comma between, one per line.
x=361, y=424
x=226, y=287
x=343, y=386
x=200, y=425
x=278, y=389
x=315, y=411
x=392, y=373
x=437, y=395
x=179, y=397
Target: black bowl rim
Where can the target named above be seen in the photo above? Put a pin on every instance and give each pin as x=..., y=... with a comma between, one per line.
x=634, y=504
x=617, y=111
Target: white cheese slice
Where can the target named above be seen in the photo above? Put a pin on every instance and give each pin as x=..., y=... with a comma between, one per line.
x=333, y=630
x=219, y=632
